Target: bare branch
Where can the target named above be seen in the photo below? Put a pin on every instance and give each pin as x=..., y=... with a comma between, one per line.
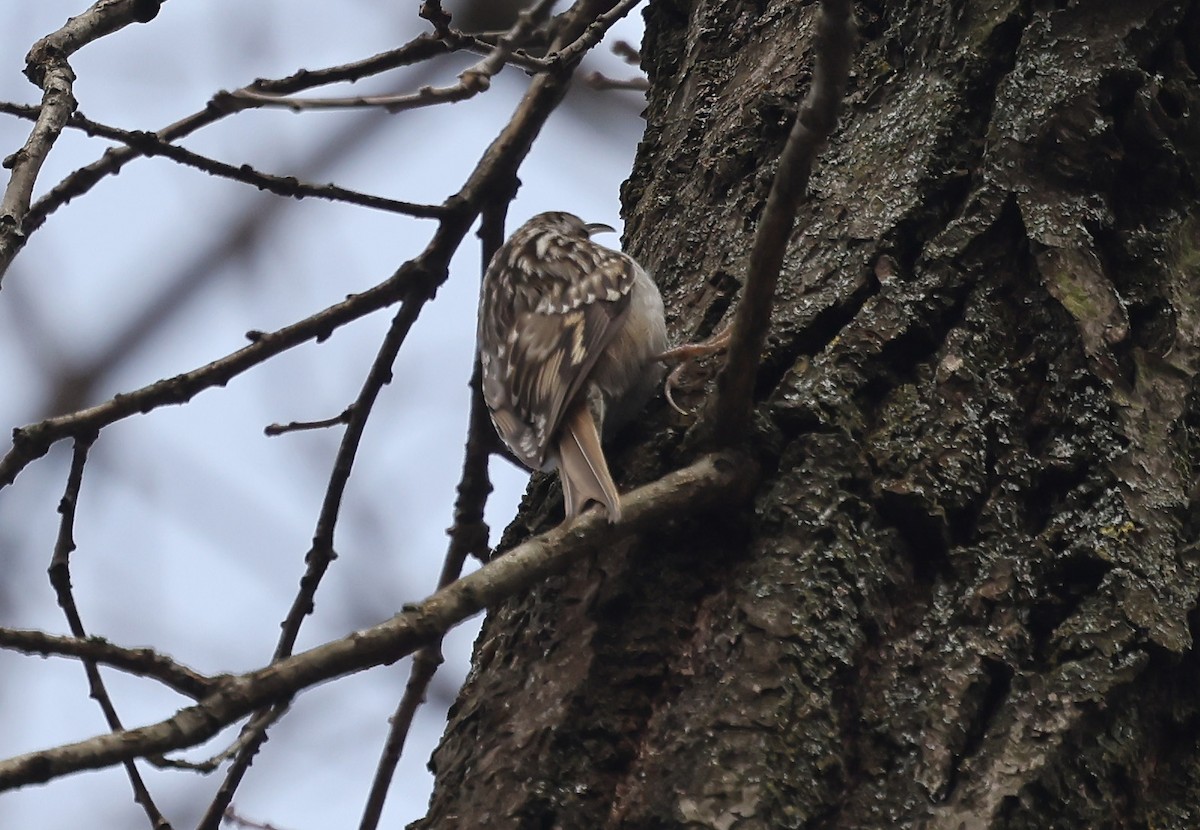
x=57, y=104
x=572, y=53
x=143, y=662
x=815, y=120
x=46, y=65
x=32, y=442
x=421, y=48
x=471, y=81
x=149, y=145
x=723, y=479
x=82, y=180
x=60, y=578
x=483, y=43
x=321, y=553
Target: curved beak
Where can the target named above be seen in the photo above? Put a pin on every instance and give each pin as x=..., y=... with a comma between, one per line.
x=594, y=228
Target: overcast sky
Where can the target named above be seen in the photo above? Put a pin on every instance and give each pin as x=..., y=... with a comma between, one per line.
x=192, y=526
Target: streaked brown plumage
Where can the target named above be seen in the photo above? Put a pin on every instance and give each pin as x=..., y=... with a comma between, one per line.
x=569, y=332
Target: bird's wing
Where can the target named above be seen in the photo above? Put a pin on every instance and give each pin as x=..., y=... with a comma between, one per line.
x=571, y=303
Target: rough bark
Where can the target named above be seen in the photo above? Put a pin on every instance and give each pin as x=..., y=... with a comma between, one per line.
x=963, y=597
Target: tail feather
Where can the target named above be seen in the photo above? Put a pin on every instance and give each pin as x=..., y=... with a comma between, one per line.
x=582, y=466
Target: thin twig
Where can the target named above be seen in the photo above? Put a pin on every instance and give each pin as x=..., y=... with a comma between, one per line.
x=468, y=536
x=421, y=48
x=471, y=81
x=469, y=85
x=483, y=42
x=730, y=413
x=253, y=730
x=724, y=479
x=321, y=553
x=573, y=52
x=298, y=426
x=143, y=662
x=60, y=578
x=150, y=145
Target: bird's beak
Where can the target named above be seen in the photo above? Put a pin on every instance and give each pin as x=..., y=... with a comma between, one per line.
x=594, y=228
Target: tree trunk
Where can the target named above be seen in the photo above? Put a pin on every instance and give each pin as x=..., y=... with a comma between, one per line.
x=962, y=597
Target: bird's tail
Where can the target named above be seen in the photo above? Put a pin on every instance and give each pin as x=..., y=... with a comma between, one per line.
x=582, y=466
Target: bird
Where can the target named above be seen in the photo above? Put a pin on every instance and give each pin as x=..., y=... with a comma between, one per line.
x=569, y=336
